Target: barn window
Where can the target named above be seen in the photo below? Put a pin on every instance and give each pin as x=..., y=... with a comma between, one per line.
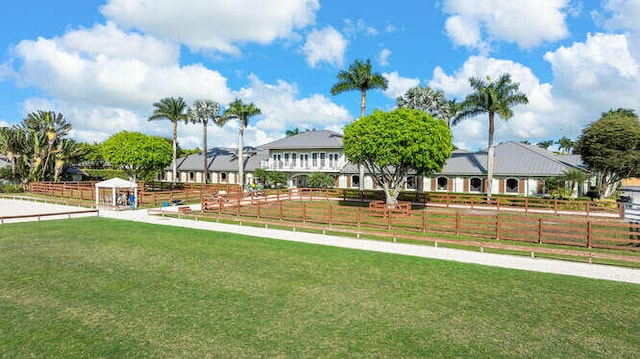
x=512, y=185
x=443, y=184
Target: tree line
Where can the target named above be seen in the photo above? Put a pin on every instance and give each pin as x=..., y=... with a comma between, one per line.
x=38, y=148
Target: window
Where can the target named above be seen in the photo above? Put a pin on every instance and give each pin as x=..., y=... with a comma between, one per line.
x=512, y=185
x=475, y=185
x=333, y=159
x=442, y=184
x=411, y=182
x=293, y=159
x=191, y=176
x=314, y=159
x=223, y=177
x=304, y=160
x=286, y=160
x=322, y=159
x=355, y=181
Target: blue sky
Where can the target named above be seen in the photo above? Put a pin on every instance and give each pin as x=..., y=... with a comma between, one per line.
x=103, y=63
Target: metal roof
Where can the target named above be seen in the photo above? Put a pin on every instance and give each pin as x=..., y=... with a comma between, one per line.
x=511, y=158
x=308, y=139
x=223, y=159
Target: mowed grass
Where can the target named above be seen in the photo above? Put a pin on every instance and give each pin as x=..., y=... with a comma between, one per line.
x=96, y=287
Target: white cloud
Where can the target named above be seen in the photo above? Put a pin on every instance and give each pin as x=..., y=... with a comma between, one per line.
x=352, y=29
x=63, y=68
x=214, y=24
x=282, y=109
x=398, y=85
x=523, y=22
x=325, y=45
x=103, y=92
x=383, y=57
x=390, y=28
x=535, y=120
x=585, y=66
x=625, y=14
x=109, y=41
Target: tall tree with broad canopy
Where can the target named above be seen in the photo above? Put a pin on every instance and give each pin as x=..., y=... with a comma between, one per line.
x=491, y=97
x=611, y=148
x=359, y=78
x=391, y=144
x=138, y=155
x=243, y=112
x=201, y=112
x=174, y=110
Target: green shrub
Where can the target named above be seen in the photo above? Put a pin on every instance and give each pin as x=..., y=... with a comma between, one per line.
x=320, y=180
x=11, y=188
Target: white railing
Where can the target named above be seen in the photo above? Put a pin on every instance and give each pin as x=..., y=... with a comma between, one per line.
x=290, y=166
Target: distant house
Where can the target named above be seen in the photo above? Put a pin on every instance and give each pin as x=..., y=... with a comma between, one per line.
x=519, y=168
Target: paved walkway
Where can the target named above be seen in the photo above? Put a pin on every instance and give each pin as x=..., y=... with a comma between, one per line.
x=596, y=271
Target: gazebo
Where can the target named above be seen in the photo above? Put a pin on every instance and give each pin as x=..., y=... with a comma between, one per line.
x=116, y=185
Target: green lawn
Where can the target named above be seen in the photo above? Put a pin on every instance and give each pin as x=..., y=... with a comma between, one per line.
x=95, y=287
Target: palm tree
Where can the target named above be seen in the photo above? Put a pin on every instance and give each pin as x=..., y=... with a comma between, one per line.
x=201, y=112
x=575, y=176
x=491, y=97
x=241, y=111
x=433, y=102
x=53, y=125
x=12, y=141
x=359, y=77
x=566, y=144
x=67, y=151
x=289, y=133
x=172, y=109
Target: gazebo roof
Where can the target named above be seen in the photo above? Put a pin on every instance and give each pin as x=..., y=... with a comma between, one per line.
x=116, y=183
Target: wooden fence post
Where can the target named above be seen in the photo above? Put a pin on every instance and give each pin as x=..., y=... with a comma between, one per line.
x=589, y=235
x=497, y=226
x=588, y=207
x=424, y=221
x=280, y=212
x=330, y=215
x=457, y=223
x=258, y=210
x=388, y=213
x=540, y=229
x=358, y=214
x=304, y=213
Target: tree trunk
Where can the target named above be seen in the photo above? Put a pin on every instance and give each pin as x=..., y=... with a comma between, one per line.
x=490, y=156
x=363, y=109
x=240, y=154
x=363, y=103
x=204, y=151
x=174, y=168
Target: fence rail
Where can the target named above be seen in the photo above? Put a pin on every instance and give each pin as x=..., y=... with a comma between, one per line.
x=587, y=233
x=39, y=216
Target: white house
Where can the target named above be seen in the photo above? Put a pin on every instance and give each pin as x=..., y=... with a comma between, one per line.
x=519, y=168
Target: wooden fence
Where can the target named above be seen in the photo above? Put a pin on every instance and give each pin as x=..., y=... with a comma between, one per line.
x=585, y=232
x=39, y=216
x=158, y=193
